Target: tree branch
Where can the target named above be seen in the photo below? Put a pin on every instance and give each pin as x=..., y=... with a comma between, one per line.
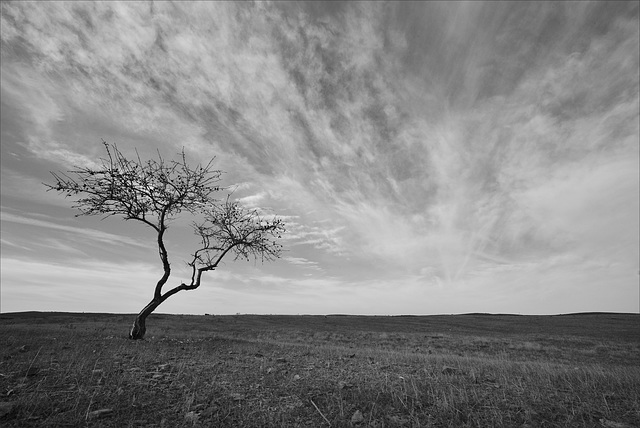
x=155, y=191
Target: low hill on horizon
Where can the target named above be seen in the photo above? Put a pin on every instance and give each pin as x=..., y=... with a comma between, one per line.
x=593, y=325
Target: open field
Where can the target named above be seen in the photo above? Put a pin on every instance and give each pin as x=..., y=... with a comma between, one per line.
x=59, y=369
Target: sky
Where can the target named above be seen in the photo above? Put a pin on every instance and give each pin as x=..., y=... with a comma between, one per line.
x=426, y=157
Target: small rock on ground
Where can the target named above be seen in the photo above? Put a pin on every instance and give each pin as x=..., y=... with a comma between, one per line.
x=449, y=370
x=191, y=417
x=357, y=417
x=6, y=408
x=97, y=414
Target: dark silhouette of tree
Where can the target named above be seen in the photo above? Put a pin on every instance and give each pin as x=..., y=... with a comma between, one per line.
x=154, y=192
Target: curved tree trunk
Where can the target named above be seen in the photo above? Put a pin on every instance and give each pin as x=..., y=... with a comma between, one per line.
x=139, y=328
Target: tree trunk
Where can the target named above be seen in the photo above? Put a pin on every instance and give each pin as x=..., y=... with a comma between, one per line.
x=139, y=328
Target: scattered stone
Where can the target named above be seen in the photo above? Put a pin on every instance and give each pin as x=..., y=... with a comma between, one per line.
x=357, y=417
x=296, y=377
x=449, y=370
x=6, y=408
x=97, y=414
x=191, y=417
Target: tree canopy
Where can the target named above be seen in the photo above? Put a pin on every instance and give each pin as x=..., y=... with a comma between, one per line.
x=156, y=190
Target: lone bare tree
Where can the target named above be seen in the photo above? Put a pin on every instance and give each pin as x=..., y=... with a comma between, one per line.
x=154, y=192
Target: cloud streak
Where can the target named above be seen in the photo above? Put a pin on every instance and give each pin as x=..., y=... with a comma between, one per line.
x=89, y=234
x=413, y=143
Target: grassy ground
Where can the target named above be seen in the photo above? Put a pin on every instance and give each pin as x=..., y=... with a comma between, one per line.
x=253, y=371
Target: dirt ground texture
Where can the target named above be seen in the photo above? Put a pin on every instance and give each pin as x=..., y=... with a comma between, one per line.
x=60, y=369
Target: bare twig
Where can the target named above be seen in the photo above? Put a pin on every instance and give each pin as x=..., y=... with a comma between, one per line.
x=32, y=361
x=323, y=417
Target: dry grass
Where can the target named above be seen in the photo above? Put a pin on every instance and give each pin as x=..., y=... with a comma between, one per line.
x=59, y=369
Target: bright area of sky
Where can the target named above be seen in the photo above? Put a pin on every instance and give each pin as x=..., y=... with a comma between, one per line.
x=427, y=157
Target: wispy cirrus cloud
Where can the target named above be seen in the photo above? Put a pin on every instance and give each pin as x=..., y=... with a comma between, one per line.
x=89, y=234
x=301, y=261
x=407, y=141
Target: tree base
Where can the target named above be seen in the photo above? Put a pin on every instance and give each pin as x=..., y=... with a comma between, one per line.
x=138, y=330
